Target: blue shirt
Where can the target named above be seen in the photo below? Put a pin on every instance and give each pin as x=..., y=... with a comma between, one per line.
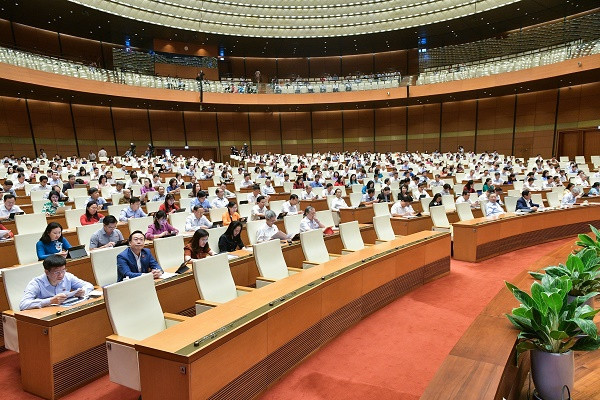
x=316, y=184
x=46, y=249
x=39, y=291
x=127, y=213
x=195, y=202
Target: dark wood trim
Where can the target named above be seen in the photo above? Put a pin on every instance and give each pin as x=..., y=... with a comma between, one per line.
x=555, y=138
x=476, y=124
x=30, y=123
x=74, y=129
x=514, y=130
x=112, y=123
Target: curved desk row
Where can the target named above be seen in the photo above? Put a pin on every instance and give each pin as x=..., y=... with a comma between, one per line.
x=237, y=349
x=482, y=238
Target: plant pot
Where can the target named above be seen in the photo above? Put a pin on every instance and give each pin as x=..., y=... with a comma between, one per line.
x=552, y=371
x=589, y=302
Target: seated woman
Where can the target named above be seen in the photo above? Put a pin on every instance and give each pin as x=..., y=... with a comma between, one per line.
x=52, y=204
x=91, y=215
x=299, y=184
x=231, y=215
x=173, y=186
x=146, y=190
x=160, y=227
x=52, y=242
x=231, y=240
x=169, y=205
x=487, y=184
x=53, y=287
x=5, y=233
x=469, y=187
x=436, y=201
x=198, y=246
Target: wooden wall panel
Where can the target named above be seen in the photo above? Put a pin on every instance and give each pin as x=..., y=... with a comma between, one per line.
x=325, y=66
x=94, y=128
x=81, y=49
x=495, y=124
x=5, y=33
x=237, y=68
x=167, y=128
x=458, y=125
x=131, y=126
x=15, y=136
x=233, y=130
x=327, y=131
x=295, y=132
x=40, y=40
x=358, y=130
x=53, y=127
x=423, y=127
x=391, y=61
x=590, y=104
x=361, y=64
x=266, y=66
x=264, y=129
x=201, y=128
x=534, y=131
x=390, y=129
x=289, y=67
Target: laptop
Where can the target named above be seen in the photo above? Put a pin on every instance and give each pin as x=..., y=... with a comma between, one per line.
x=123, y=242
x=281, y=215
x=77, y=252
x=11, y=217
x=180, y=210
x=183, y=268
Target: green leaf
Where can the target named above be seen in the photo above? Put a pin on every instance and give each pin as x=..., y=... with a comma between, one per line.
x=587, y=326
x=585, y=240
x=587, y=344
x=559, y=335
x=536, y=294
x=554, y=301
x=595, y=232
x=536, y=275
x=520, y=295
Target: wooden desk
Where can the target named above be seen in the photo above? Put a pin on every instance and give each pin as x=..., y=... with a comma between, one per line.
x=253, y=340
x=364, y=215
x=487, y=237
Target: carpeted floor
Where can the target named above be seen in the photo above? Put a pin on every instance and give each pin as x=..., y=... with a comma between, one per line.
x=392, y=354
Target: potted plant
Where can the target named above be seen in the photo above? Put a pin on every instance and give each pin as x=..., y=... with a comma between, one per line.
x=587, y=242
x=553, y=328
x=582, y=269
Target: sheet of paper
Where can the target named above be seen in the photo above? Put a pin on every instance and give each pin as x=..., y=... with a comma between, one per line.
x=166, y=275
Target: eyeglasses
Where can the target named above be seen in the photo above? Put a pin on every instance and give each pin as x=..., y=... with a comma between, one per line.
x=57, y=272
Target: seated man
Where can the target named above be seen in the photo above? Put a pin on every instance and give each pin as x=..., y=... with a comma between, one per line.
x=136, y=260
x=570, y=198
x=126, y=197
x=9, y=206
x=492, y=207
x=308, y=193
x=107, y=236
x=220, y=201
x=466, y=198
x=525, y=203
x=259, y=209
x=253, y=197
x=290, y=207
x=55, y=286
x=310, y=222
x=94, y=194
x=197, y=220
x=160, y=194
x=269, y=230
x=133, y=211
x=200, y=200
x=402, y=208
x=7, y=187
x=369, y=197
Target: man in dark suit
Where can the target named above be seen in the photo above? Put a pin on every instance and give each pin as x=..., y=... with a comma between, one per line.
x=525, y=203
x=136, y=260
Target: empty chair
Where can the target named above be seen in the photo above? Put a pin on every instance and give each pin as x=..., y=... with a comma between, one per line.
x=553, y=199
x=85, y=232
x=39, y=194
x=510, y=203
x=215, y=282
x=326, y=217
x=213, y=237
x=216, y=214
x=153, y=206
x=30, y=223
x=115, y=197
x=275, y=206
x=25, y=247
x=38, y=205
x=104, y=264
x=139, y=224
x=383, y=228
x=313, y=246
x=134, y=313
x=81, y=202
x=73, y=217
x=538, y=199
x=464, y=211
x=440, y=219
x=169, y=251
x=252, y=228
x=77, y=192
x=381, y=209
x=185, y=202
x=291, y=223
x=116, y=209
x=270, y=263
x=245, y=210
x=178, y=220
x=514, y=193
x=355, y=199
x=351, y=237
x=425, y=204
x=15, y=282
x=448, y=202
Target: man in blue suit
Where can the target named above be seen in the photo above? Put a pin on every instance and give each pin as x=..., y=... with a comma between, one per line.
x=525, y=203
x=136, y=260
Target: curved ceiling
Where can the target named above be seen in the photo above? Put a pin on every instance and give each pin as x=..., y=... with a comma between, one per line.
x=293, y=18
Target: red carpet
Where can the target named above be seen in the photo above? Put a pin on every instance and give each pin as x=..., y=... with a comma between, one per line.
x=392, y=354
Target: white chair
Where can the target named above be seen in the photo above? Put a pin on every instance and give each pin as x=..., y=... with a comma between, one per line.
x=115, y=197
x=38, y=205
x=291, y=223
x=383, y=228
x=135, y=314
x=355, y=199
x=139, y=224
x=381, y=209
x=85, y=232
x=30, y=223
x=326, y=217
x=116, y=209
x=440, y=219
x=482, y=206
x=448, y=202
x=81, y=202
x=15, y=282
x=216, y=214
x=185, y=193
x=553, y=199
x=425, y=204
x=245, y=210
x=25, y=247
x=252, y=228
x=215, y=283
x=185, y=202
x=510, y=203
x=73, y=217
x=104, y=264
x=169, y=251
x=38, y=194
x=351, y=237
x=314, y=249
x=153, y=206
x=275, y=206
x=77, y=192
x=538, y=199
x=464, y=211
x=178, y=220
x=270, y=263
x=213, y=237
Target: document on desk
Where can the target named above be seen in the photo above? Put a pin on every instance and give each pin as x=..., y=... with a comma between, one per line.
x=232, y=256
x=166, y=275
x=250, y=249
x=4, y=233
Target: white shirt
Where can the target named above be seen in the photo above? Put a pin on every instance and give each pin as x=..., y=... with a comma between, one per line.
x=568, y=199
x=192, y=223
x=257, y=210
x=267, y=190
x=461, y=200
x=219, y=203
x=308, y=225
x=4, y=213
x=289, y=209
x=338, y=203
x=397, y=209
x=493, y=209
x=247, y=183
x=307, y=196
x=266, y=232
